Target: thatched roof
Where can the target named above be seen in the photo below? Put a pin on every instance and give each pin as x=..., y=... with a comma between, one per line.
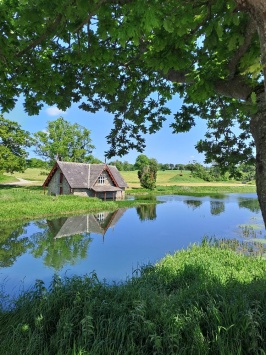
x=80, y=175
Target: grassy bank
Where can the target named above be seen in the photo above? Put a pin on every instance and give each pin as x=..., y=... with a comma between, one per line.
x=214, y=189
x=24, y=203
x=31, y=203
x=203, y=300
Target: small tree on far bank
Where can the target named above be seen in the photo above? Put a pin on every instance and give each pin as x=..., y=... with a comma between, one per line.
x=148, y=173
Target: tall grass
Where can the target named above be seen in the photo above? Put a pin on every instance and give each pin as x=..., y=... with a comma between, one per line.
x=203, y=300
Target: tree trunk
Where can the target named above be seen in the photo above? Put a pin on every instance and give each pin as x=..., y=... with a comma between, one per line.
x=258, y=130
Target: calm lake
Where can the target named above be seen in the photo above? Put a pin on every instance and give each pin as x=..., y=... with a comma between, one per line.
x=115, y=245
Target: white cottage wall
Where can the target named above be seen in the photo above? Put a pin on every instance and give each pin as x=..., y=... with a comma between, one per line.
x=54, y=185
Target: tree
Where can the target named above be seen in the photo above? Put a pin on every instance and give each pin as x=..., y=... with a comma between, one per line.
x=148, y=173
x=118, y=164
x=163, y=166
x=13, y=144
x=36, y=163
x=141, y=160
x=130, y=59
x=63, y=140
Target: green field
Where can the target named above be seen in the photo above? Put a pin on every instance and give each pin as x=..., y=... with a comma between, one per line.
x=174, y=178
x=164, y=178
x=34, y=174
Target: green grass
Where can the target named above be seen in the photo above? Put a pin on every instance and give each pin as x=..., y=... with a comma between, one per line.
x=168, y=177
x=204, y=300
x=194, y=190
x=4, y=179
x=24, y=203
x=32, y=174
x=172, y=178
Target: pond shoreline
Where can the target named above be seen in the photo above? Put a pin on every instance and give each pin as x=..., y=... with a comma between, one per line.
x=29, y=202
x=199, y=301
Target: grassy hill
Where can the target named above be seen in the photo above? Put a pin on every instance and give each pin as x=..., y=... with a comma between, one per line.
x=33, y=174
x=164, y=178
x=171, y=178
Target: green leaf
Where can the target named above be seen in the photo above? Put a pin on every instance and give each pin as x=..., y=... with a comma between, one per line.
x=168, y=25
x=253, y=97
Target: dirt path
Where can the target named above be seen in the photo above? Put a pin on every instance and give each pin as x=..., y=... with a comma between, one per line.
x=23, y=182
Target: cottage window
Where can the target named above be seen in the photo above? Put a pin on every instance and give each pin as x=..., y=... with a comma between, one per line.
x=100, y=217
x=101, y=179
x=61, y=178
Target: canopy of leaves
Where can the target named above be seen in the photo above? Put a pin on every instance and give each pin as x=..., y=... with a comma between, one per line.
x=130, y=59
x=13, y=144
x=141, y=160
x=63, y=140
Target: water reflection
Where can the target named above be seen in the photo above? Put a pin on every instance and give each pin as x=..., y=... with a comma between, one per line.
x=84, y=224
x=146, y=212
x=217, y=207
x=66, y=240
x=114, y=244
x=251, y=204
x=13, y=243
x=193, y=203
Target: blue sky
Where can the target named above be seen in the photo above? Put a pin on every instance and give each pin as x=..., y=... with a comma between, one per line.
x=164, y=146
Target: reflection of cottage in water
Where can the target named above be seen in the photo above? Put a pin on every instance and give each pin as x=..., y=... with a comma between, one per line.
x=89, y=223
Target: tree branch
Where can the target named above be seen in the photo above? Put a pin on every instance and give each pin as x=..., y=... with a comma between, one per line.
x=250, y=30
x=49, y=31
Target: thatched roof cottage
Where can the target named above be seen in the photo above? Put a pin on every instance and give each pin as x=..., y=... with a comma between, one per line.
x=92, y=180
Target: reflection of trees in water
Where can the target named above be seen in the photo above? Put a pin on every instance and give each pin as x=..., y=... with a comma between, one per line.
x=146, y=212
x=58, y=252
x=58, y=241
x=217, y=207
x=251, y=203
x=13, y=243
x=193, y=203
x=249, y=248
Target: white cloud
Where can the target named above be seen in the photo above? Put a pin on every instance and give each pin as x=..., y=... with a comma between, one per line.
x=54, y=111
